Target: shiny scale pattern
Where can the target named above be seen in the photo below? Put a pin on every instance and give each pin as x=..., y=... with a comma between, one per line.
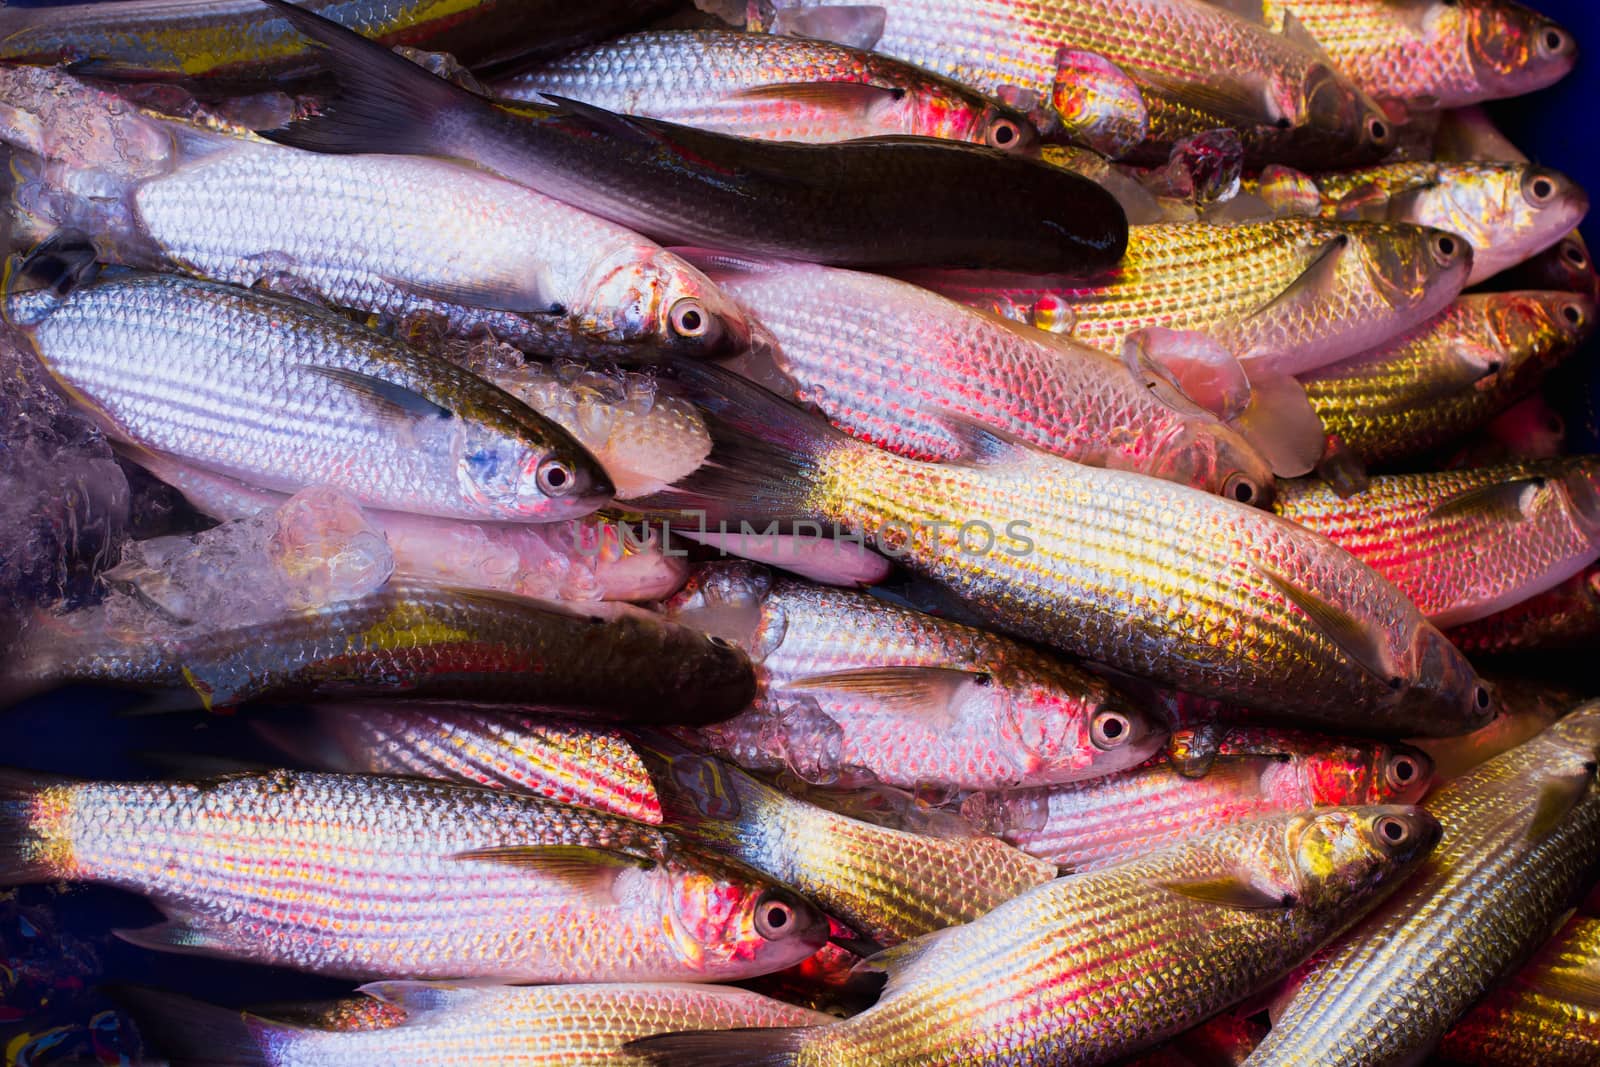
x=1567, y=616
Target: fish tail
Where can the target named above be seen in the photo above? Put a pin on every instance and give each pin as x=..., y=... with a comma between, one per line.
x=190, y=1033
x=384, y=104
x=751, y=1047
x=34, y=846
x=767, y=460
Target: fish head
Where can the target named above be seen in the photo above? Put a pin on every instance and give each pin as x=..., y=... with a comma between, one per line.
x=528, y=468
x=1361, y=772
x=1443, y=688
x=1332, y=109
x=727, y=920
x=1525, y=335
x=1342, y=854
x=1209, y=455
x=1513, y=50
x=1412, y=266
x=1065, y=724
x=935, y=111
x=1506, y=211
x=1580, y=484
x=644, y=295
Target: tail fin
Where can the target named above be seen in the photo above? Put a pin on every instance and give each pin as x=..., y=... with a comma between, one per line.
x=28, y=848
x=753, y=1047
x=189, y=1032
x=767, y=453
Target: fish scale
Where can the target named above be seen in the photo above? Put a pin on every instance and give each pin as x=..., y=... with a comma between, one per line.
x=354, y=876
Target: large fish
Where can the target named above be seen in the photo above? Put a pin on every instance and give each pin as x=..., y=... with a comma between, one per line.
x=911, y=371
x=1198, y=68
x=1294, y=294
x=241, y=40
x=369, y=877
x=281, y=395
x=1449, y=375
x=1464, y=544
x=405, y=640
x=852, y=684
x=1157, y=580
x=397, y=236
x=1520, y=838
x=772, y=88
x=1095, y=824
x=1508, y=211
x=445, y=1024
x=1088, y=969
x=842, y=203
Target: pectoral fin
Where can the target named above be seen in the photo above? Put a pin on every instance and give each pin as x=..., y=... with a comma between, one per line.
x=1503, y=502
x=1557, y=797
x=929, y=690
x=847, y=98
x=1337, y=625
x=387, y=398
x=1231, y=891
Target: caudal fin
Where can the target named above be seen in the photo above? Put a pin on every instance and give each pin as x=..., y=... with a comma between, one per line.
x=29, y=846
x=774, y=1047
x=189, y=1032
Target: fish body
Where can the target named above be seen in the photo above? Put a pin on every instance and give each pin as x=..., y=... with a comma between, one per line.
x=1099, y=823
x=1464, y=544
x=406, y=640
x=838, y=203
x=911, y=371
x=1160, y=581
x=850, y=683
x=1295, y=294
x=1520, y=836
x=1449, y=375
x=1197, y=67
x=524, y=750
x=1017, y=987
x=281, y=395
x=240, y=40
x=393, y=235
x=772, y=88
x=443, y=1024
x=1427, y=54
x=364, y=877
x=1567, y=616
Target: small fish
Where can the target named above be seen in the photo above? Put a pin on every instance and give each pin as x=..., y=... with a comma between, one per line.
x=1520, y=836
x=527, y=751
x=1449, y=375
x=1293, y=294
x=1567, y=616
x=1464, y=544
x=406, y=640
x=448, y=1024
x=1095, y=824
x=843, y=203
x=1508, y=211
x=1566, y=266
x=886, y=884
x=850, y=683
x=1017, y=986
x=395, y=236
x=281, y=395
x=772, y=88
x=1546, y=1015
x=1157, y=580
x=364, y=877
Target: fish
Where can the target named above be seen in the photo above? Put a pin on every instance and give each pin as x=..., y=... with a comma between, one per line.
x=1429, y=54
x=1197, y=67
x=1567, y=616
x=839, y=203
x=1291, y=294
x=1508, y=211
x=1017, y=985
x=281, y=395
x=912, y=372
x=239, y=41
x=1566, y=266
x=1520, y=836
x=1527, y=709
x=1464, y=544
x=772, y=88
x=459, y=1024
x=1150, y=578
x=1450, y=375
x=406, y=640
x=523, y=750
x=887, y=885
x=393, y=236
x=355, y=876
x=850, y=684
x=1091, y=825
x=1545, y=1015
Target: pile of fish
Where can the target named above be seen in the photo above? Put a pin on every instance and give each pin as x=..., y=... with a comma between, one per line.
x=782, y=532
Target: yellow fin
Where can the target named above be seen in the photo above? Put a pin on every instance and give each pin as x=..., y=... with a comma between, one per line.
x=1231, y=891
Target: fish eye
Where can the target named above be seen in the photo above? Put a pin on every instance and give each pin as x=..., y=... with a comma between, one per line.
x=1573, y=314
x=1401, y=772
x=1539, y=189
x=774, y=917
x=1241, y=488
x=1377, y=130
x=720, y=642
x=1575, y=256
x=556, y=478
x=1393, y=831
x=1110, y=730
x=689, y=318
x=1481, y=698
x=1002, y=133
x=1555, y=41
x=1445, y=248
